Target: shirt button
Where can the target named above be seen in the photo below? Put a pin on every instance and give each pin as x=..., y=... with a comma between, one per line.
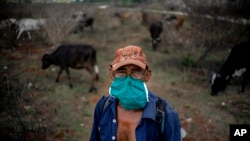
x=99, y=128
x=113, y=137
x=114, y=120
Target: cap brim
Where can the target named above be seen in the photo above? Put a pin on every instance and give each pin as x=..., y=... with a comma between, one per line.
x=127, y=62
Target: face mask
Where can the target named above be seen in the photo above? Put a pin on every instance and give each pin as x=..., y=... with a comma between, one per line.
x=132, y=93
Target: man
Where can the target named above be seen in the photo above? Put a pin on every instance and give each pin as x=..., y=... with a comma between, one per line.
x=130, y=112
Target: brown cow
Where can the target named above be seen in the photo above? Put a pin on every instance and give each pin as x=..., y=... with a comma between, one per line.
x=179, y=22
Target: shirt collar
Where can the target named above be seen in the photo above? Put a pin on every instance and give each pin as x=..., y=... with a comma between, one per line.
x=150, y=109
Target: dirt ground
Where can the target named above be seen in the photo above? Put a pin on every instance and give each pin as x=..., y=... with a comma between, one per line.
x=51, y=111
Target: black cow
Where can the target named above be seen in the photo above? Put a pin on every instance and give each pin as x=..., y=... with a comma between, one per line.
x=73, y=56
x=155, y=30
x=236, y=64
x=8, y=32
x=86, y=22
x=82, y=20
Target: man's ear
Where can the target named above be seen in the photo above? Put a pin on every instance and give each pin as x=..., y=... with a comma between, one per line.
x=111, y=74
x=147, y=75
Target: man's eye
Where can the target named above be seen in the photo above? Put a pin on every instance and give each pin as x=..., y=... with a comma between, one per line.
x=136, y=71
x=121, y=71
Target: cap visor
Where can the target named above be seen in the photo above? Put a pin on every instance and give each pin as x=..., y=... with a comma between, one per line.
x=128, y=62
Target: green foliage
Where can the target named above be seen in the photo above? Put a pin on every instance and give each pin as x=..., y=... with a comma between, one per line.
x=188, y=61
x=31, y=111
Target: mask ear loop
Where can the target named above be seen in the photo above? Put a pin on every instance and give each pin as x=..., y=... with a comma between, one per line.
x=145, y=86
x=146, y=91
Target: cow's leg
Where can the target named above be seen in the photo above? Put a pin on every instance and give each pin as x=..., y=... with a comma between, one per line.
x=96, y=72
x=29, y=35
x=19, y=33
x=92, y=71
x=154, y=44
x=244, y=82
x=69, y=78
x=44, y=33
x=58, y=75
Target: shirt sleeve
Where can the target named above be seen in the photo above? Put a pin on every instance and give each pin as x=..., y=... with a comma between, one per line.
x=95, y=136
x=172, y=125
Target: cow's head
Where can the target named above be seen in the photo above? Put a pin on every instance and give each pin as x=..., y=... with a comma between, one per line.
x=218, y=83
x=79, y=15
x=46, y=61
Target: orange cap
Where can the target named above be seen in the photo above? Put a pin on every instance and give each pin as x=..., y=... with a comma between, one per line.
x=129, y=55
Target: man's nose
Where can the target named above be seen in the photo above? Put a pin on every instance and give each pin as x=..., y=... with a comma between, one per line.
x=128, y=71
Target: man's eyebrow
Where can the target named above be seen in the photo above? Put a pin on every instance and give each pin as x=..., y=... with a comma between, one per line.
x=121, y=68
x=136, y=67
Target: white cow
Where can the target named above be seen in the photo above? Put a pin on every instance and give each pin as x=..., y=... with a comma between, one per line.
x=79, y=16
x=29, y=25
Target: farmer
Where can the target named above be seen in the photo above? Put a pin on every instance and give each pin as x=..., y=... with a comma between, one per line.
x=131, y=112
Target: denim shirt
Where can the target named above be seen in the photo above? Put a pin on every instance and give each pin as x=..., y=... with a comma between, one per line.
x=105, y=122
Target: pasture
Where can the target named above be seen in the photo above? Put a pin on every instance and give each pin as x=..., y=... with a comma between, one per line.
x=34, y=107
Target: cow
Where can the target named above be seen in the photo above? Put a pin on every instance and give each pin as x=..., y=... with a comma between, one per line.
x=82, y=21
x=27, y=25
x=123, y=17
x=8, y=32
x=237, y=64
x=136, y=17
x=86, y=22
x=179, y=22
x=74, y=56
x=8, y=24
x=79, y=15
x=155, y=30
x=170, y=17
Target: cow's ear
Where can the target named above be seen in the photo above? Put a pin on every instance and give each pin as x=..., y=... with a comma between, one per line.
x=147, y=75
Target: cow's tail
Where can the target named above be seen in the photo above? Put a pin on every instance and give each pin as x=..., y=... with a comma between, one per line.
x=96, y=69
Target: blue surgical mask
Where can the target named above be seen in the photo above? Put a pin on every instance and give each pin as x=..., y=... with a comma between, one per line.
x=132, y=93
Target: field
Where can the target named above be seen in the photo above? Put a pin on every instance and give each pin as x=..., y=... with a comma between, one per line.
x=34, y=107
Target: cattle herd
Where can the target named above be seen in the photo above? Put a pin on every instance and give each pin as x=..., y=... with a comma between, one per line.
x=235, y=67
x=26, y=25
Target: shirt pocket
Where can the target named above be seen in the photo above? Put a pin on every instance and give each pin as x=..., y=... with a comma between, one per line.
x=105, y=129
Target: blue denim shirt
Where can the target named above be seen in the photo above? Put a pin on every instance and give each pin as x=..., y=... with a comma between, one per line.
x=105, y=122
